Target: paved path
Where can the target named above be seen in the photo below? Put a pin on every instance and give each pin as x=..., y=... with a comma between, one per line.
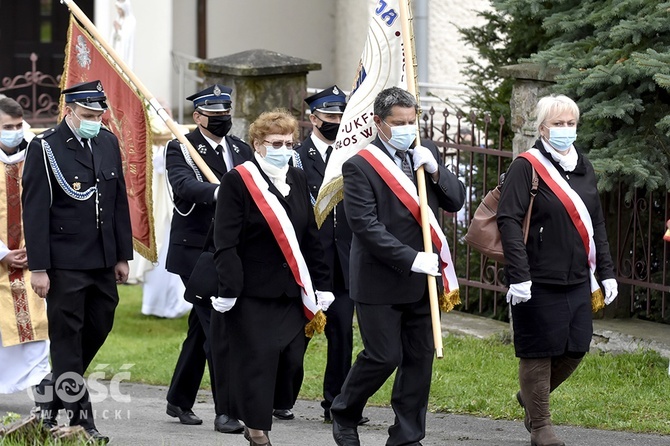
x=143, y=421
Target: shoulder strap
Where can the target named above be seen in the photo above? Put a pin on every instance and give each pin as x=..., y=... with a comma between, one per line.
x=534, y=183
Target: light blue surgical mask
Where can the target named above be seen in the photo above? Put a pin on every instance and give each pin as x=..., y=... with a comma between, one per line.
x=402, y=136
x=279, y=158
x=561, y=138
x=88, y=129
x=11, y=138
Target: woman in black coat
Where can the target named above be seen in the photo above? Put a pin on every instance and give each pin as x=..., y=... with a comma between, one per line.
x=551, y=277
x=258, y=327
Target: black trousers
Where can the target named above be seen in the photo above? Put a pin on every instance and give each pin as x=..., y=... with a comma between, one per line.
x=80, y=309
x=394, y=337
x=190, y=367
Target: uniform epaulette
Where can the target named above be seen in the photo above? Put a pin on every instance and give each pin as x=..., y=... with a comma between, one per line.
x=106, y=129
x=238, y=138
x=46, y=133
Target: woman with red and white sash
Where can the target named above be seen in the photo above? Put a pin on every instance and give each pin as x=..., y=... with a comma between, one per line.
x=552, y=277
x=272, y=278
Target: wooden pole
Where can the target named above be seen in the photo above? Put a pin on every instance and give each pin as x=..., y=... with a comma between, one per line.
x=410, y=72
x=123, y=69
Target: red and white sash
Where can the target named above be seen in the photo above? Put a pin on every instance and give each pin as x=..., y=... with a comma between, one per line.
x=574, y=205
x=282, y=228
x=406, y=192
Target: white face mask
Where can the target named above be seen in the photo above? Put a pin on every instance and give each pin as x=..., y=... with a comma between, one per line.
x=279, y=158
x=561, y=138
x=402, y=136
x=11, y=138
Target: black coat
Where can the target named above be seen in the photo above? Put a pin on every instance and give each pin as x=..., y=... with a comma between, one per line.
x=334, y=233
x=188, y=232
x=248, y=259
x=60, y=231
x=386, y=235
x=554, y=253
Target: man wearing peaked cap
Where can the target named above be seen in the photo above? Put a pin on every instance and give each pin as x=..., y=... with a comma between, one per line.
x=89, y=95
x=78, y=240
x=327, y=107
x=194, y=206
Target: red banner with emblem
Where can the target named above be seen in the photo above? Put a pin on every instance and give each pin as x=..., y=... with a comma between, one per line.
x=127, y=118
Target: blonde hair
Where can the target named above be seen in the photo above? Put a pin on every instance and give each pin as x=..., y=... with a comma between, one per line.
x=554, y=105
x=276, y=122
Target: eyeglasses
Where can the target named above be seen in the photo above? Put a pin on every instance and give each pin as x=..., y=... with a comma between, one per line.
x=280, y=144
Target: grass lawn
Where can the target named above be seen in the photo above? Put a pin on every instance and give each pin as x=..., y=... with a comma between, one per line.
x=479, y=377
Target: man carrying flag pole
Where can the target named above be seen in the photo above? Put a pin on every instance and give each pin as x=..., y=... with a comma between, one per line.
x=389, y=267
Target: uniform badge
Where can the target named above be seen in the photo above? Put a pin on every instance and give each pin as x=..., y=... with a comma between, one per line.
x=236, y=149
x=217, y=91
x=311, y=151
x=202, y=149
x=76, y=185
x=336, y=91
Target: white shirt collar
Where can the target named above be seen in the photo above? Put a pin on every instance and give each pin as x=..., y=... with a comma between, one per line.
x=320, y=145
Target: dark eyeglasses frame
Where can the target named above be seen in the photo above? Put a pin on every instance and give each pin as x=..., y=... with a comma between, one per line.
x=280, y=144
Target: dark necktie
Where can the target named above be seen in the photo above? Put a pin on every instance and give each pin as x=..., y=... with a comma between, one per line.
x=84, y=143
x=218, y=149
x=406, y=168
x=329, y=150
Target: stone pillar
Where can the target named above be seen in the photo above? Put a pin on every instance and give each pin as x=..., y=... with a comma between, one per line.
x=261, y=80
x=531, y=83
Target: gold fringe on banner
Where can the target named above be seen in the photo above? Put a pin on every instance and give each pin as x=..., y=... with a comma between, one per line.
x=316, y=325
x=597, y=300
x=335, y=191
x=449, y=301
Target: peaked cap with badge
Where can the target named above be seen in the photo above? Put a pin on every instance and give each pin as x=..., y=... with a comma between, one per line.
x=212, y=99
x=329, y=100
x=89, y=95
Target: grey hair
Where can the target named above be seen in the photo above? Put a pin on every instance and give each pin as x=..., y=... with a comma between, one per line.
x=391, y=97
x=554, y=105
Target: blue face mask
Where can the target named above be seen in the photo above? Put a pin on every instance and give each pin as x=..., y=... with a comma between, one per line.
x=561, y=138
x=279, y=158
x=11, y=138
x=88, y=129
x=402, y=136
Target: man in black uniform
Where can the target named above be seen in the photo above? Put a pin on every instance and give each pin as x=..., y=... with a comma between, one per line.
x=326, y=108
x=194, y=206
x=78, y=240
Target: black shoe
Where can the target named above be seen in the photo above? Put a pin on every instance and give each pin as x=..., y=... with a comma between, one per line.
x=363, y=420
x=186, y=416
x=283, y=414
x=49, y=423
x=345, y=436
x=96, y=436
x=247, y=436
x=223, y=423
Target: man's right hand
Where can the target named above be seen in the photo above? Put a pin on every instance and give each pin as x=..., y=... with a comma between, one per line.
x=16, y=258
x=40, y=283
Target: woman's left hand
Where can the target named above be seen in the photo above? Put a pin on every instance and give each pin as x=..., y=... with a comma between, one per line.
x=611, y=290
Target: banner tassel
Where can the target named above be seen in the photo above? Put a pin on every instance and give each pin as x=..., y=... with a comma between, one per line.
x=449, y=300
x=597, y=300
x=316, y=325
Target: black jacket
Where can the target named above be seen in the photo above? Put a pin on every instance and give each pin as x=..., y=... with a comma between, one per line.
x=334, y=233
x=61, y=232
x=188, y=232
x=387, y=237
x=554, y=253
x=248, y=258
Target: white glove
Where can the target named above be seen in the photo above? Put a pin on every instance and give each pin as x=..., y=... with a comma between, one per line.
x=611, y=290
x=519, y=292
x=324, y=299
x=223, y=304
x=421, y=156
x=426, y=263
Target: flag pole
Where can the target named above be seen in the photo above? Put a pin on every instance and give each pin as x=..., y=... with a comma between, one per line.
x=410, y=72
x=123, y=69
